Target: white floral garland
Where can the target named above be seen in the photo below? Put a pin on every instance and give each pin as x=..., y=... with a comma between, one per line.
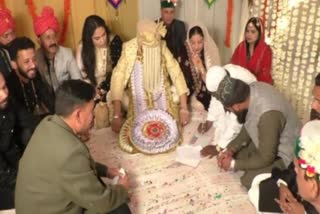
x=295, y=47
x=310, y=152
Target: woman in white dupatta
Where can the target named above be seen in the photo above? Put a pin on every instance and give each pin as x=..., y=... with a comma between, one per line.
x=199, y=54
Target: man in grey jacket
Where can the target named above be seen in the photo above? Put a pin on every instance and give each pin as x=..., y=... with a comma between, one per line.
x=270, y=128
x=55, y=63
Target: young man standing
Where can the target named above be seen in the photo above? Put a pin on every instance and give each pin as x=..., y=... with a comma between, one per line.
x=176, y=30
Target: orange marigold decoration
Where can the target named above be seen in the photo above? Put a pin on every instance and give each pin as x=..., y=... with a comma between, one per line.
x=3, y=4
x=65, y=23
x=227, y=40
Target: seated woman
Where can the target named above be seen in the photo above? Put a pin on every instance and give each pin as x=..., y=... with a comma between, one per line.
x=148, y=71
x=199, y=54
x=97, y=55
x=253, y=53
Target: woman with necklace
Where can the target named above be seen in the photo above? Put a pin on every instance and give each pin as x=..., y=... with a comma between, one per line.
x=199, y=54
x=253, y=53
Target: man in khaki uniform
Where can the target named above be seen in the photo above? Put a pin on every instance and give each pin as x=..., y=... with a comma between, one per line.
x=56, y=173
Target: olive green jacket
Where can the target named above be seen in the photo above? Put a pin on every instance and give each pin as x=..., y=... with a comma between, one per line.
x=57, y=175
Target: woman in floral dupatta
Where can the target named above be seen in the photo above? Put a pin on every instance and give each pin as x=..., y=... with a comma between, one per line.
x=253, y=53
x=198, y=55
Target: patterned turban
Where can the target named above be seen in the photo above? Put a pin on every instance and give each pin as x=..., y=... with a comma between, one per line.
x=225, y=90
x=45, y=21
x=6, y=21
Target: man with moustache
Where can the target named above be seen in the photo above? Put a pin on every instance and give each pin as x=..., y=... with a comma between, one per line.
x=16, y=126
x=25, y=83
x=7, y=34
x=57, y=173
x=56, y=63
x=270, y=128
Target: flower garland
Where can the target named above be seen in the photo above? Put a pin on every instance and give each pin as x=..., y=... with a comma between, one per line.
x=65, y=24
x=66, y=14
x=309, y=158
x=274, y=21
x=264, y=14
x=227, y=40
x=3, y=4
x=294, y=25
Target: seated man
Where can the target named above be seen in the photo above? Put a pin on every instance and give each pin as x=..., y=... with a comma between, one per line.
x=270, y=128
x=56, y=63
x=7, y=34
x=16, y=127
x=226, y=125
x=147, y=68
x=282, y=183
x=56, y=172
x=307, y=168
x=25, y=83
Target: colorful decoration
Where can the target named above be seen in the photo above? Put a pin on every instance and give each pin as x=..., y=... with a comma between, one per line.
x=3, y=4
x=264, y=14
x=227, y=40
x=154, y=131
x=32, y=9
x=65, y=24
x=210, y=2
x=115, y=3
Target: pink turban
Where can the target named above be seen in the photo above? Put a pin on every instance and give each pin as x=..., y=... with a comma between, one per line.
x=6, y=21
x=45, y=21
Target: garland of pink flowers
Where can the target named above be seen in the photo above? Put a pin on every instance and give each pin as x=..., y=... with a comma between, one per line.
x=66, y=14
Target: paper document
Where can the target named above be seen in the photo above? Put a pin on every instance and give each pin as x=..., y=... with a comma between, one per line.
x=189, y=155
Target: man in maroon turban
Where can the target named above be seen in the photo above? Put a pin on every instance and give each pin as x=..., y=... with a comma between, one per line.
x=7, y=34
x=55, y=63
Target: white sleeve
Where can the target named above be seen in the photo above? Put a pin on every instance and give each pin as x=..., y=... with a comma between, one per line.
x=230, y=131
x=215, y=111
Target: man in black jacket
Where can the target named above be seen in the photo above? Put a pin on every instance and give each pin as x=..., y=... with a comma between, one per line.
x=25, y=83
x=16, y=127
x=176, y=29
